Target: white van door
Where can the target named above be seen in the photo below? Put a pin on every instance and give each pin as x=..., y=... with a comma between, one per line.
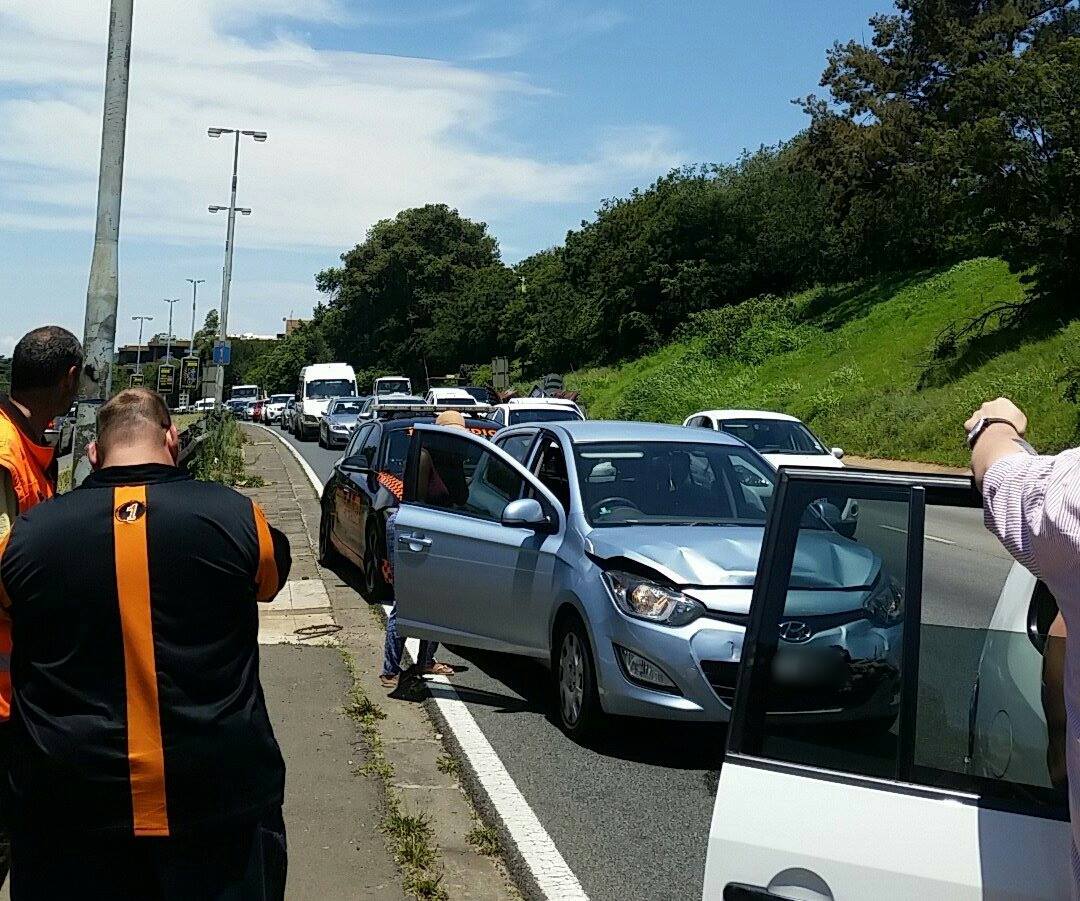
x=847, y=772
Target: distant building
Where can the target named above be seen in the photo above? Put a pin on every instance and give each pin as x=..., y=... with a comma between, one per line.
x=152, y=351
x=291, y=325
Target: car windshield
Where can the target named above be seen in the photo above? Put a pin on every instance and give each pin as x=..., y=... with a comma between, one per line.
x=672, y=483
x=774, y=436
x=548, y=414
x=399, y=401
x=458, y=400
x=242, y=392
x=323, y=388
x=280, y=398
x=340, y=407
x=482, y=395
x=393, y=386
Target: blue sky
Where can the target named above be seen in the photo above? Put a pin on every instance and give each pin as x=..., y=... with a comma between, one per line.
x=524, y=114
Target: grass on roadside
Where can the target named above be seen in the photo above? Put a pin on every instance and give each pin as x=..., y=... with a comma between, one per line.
x=854, y=375
x=485, y=840
x=448, y=765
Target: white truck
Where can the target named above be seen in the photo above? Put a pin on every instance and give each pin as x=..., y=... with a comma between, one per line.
x=391, y=384
x=317, y=386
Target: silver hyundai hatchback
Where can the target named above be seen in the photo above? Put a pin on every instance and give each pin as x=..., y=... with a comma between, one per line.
x=623, y=555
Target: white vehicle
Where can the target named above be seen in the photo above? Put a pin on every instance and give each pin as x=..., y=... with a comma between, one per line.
x=521, y=410
x=784, y=441
x=244, y=392
x=391, y=384
x=804, y=811
x=274, y=406
x=367, y=410
x=1007, y=725
x=449, y=397
x=207, y=403
x=318, y=384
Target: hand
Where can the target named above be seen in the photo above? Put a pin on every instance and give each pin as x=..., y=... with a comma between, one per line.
x=1002, y=408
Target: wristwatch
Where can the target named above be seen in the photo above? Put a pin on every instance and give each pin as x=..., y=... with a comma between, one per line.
x=981, y=426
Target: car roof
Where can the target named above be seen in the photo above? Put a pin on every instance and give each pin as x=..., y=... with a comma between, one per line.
x=746, y=414
x=538, y=403
x=590, y=430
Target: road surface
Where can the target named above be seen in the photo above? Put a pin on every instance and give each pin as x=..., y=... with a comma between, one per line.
x=630, y=814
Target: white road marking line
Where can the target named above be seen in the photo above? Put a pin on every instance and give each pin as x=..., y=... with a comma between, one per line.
x=927, y=537
x=544, y=860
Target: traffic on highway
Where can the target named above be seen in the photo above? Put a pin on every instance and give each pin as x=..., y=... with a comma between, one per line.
x=709, y=658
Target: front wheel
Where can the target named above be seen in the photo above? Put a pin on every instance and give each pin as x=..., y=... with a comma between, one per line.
x=322, y=441
x=575, y=681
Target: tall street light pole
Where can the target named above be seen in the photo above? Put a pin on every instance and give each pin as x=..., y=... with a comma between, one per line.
x=226, y=274
x=138, y=347
x=168, y=335
x=102, y=291
x=195, y=282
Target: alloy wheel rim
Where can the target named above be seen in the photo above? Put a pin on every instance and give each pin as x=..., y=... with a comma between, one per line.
x=571, y=678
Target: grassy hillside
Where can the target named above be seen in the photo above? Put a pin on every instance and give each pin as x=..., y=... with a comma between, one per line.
x=854, y=377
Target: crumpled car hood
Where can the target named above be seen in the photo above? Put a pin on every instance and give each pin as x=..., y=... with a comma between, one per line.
x=727, y=557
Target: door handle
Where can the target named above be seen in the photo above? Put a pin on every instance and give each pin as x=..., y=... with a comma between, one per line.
x=740, y=891
x=414, y=539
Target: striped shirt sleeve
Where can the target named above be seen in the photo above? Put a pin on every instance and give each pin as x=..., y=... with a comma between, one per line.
x=1032, y=504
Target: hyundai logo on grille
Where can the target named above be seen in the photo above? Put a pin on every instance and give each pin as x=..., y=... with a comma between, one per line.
x=796, y=632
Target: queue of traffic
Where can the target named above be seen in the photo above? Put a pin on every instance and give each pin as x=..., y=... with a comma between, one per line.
x=729, y=570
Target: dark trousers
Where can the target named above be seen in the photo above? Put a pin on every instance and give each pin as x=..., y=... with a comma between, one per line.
x=238, y=863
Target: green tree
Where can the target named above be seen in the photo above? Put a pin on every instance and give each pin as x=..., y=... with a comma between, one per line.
x=384, y=301
x=278, y=369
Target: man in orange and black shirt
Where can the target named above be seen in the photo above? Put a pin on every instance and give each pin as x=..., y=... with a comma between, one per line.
x=144, y=762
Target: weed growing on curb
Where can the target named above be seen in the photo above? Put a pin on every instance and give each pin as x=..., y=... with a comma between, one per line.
x=409, y=838
x=485, y=840
x=448, y=765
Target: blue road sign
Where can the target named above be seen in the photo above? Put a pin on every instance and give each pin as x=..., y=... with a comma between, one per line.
x=222, y=353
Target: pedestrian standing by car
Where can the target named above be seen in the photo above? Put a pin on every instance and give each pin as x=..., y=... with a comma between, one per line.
x=45, y=368
x=395, y=644
x=144, y=764
x=1032, y=504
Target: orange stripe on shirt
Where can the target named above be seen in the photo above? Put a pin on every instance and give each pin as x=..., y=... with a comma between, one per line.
x=146, y=756
x=266, y=579
x=5, y=641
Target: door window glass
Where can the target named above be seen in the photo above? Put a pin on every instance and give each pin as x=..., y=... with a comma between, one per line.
x=371, y=443
x=517, y=446
x=358, y=438
x=551, y=471
x=830, y=694
x=454, y=473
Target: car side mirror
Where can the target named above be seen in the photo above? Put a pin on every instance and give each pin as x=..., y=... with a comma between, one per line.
x=355, y=463
x=837, y=452
x=526, y=513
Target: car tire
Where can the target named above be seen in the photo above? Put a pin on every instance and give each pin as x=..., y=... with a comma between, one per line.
x=376, y=588
x=328, y=554
x=577, y=702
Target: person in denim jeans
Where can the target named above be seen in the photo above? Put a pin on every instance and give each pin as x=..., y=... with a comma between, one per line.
x=395, y=644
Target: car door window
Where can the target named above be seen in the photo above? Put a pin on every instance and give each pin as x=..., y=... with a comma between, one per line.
x=517, y=446
x=550, y=469
x=370, y=446
x=357, y=442
x=457, y=474
x=875, y=656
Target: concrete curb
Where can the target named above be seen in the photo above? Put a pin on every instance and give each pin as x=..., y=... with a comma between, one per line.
x=415, y=736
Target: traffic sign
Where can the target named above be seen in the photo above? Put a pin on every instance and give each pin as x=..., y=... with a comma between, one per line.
x=166, y=378
x=136, y=380
x=222, y=353
x=189, y=373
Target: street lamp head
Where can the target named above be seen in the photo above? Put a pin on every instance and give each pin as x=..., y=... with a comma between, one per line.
x=218, y=132
x=257, y=135
x=216, y=209
x=243, y=211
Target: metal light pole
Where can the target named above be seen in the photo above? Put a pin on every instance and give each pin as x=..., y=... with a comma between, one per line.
x=168, y=335
x=195, y=282
x=102, y=291
x=138, y=347
x=226, y=273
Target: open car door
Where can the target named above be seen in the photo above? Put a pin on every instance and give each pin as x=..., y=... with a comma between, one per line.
x=847, y=773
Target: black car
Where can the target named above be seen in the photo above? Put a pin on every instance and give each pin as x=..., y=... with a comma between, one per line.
x=374, y=461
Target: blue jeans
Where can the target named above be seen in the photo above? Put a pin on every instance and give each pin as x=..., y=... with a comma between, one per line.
x=395, y=644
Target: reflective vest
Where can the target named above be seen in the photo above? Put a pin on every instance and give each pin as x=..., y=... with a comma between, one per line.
x=27, y=464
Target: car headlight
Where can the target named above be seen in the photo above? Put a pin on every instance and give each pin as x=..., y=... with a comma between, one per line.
x=648, y=600
x=885, y=602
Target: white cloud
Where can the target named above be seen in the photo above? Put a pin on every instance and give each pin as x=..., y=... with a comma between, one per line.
x=7, y=345
x=354, y=137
